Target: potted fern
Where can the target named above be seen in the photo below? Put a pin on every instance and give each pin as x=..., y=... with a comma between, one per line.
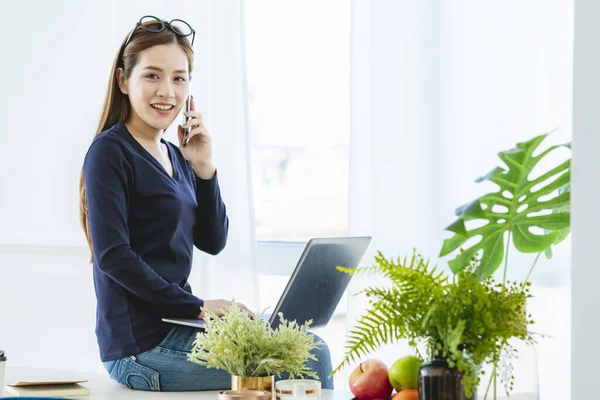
x=462, y=321
x=251, y=351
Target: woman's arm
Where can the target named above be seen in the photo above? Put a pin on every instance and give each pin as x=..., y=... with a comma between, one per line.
x=212, y=223
x=107, y=177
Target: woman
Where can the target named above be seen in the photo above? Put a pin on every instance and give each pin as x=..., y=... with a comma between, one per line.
x=144, y=204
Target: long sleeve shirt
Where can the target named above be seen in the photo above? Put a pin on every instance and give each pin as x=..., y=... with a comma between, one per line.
x=144, y=225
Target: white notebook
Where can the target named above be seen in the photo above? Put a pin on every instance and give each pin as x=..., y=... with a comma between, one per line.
x=66, y=390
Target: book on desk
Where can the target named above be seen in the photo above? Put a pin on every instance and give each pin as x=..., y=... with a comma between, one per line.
x=48, y=389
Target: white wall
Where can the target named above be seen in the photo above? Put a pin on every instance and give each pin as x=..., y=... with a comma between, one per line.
x=585, y=277
x=54, y=77
x=48, y=310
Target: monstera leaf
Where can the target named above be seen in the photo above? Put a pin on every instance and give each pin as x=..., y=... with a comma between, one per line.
x=561, y=233
x=523, y=210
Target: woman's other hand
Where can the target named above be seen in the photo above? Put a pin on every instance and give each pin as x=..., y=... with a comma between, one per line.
x=220, y=307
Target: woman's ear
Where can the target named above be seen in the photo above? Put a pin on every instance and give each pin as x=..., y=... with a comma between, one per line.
x=121, y=80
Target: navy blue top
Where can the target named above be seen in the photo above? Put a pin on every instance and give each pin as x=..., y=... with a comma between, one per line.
x=144, y=224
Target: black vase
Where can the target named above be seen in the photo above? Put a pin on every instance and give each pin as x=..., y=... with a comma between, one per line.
x=437, y=381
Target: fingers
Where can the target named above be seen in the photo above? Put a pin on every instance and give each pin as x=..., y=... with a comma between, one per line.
x=221, y=307
x=195, y=118
x=195, y=126
x=192, y=124
x=180, y=134
x=199, y=131
x=241, y=307
x=202, y=134
x=244, y=308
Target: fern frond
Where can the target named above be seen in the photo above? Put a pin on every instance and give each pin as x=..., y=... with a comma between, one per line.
x=376, y=327
x=401, y=271
x=397, y=311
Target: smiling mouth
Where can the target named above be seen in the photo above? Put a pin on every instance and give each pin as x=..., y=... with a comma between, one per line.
x=161, y=107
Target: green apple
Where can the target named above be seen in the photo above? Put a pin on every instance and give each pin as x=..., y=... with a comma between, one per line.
x=404, y=373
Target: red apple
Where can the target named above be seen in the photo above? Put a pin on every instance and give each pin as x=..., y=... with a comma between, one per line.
x=369, y=381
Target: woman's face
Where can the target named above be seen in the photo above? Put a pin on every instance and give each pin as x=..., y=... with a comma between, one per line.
x=160, y=79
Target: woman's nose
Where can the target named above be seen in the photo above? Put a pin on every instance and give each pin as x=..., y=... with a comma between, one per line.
x=166, y=90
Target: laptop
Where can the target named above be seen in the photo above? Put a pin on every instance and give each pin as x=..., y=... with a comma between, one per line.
x=316, y=286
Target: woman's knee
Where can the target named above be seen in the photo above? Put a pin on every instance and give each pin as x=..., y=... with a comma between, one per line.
x=322, y=351
x=322, y=366
x=136, y=376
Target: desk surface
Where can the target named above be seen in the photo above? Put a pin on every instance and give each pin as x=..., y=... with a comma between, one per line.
x=102, y=387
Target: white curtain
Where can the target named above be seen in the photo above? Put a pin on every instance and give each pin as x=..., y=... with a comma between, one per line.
x=220, y=84
x=54, y=86
x=438, y=88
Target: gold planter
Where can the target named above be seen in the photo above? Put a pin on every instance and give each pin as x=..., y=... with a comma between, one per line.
x=265, y=383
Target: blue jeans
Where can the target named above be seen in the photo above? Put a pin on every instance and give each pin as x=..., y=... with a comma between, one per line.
x=165, y=367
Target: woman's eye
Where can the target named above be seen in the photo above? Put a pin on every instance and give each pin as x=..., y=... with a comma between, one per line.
x=152, y=76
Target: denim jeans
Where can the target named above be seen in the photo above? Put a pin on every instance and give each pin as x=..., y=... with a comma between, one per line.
x=165, y=367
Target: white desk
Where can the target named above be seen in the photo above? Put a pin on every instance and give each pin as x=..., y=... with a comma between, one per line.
x=102, y=387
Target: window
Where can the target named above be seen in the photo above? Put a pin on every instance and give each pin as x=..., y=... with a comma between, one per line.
x=297, y=56
x=298, y=77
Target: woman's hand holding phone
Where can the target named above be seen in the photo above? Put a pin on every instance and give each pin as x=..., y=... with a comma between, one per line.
x=195, y=142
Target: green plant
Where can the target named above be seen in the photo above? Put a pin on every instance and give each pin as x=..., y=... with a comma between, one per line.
x=250, y=347
x=524, y=209
x=464, y=319
x=543, y=203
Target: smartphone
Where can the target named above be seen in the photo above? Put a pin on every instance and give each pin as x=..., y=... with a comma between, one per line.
x=186, y=140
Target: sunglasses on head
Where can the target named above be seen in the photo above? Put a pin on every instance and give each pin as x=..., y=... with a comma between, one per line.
x=152, y=24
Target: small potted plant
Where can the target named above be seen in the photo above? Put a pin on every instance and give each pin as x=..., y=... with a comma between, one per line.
x=253, y=352
x=461, y=321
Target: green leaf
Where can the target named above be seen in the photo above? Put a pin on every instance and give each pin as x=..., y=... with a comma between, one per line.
x=525, y=210
x=562, y=234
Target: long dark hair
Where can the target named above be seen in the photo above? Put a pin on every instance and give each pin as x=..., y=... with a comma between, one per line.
x=116, y=106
